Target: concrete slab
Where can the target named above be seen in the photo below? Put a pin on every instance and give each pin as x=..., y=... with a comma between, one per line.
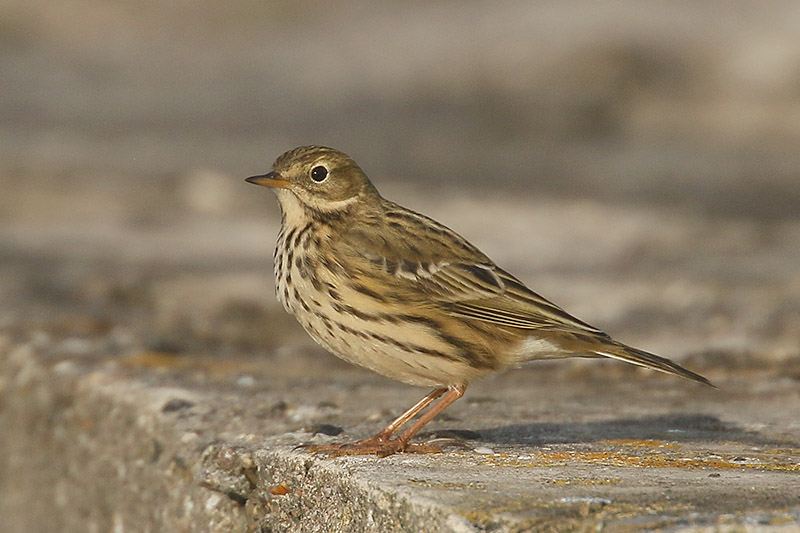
x=168, y=442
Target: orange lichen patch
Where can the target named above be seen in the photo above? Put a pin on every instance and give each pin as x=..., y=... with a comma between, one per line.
x=583, y=481
x=157, y=360
x=653, y=460
x=212, y=366
x=280, y=489
x=479, y=517
x=781, y=520
x=783, y=451
x=645, y=443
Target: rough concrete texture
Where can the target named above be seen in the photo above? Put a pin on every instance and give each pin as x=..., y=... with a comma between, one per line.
x=155, y=442
x=636, y=162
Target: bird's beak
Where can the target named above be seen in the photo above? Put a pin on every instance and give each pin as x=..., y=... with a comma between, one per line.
x=270, y=179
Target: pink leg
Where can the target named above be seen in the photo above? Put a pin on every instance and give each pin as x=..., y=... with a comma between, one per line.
x=401, y=443
x=401, y=420
x=382, y=444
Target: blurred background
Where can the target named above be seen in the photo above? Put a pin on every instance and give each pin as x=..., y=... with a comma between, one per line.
x=637, y=162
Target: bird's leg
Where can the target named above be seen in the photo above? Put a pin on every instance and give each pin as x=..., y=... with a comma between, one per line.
x=373, y=444
x=401, y=443
x=382, y=444
x=386, y=433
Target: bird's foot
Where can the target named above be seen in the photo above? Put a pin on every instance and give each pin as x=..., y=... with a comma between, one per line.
x=374, y=446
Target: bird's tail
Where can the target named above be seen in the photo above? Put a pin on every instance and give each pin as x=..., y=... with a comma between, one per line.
x=634, y=356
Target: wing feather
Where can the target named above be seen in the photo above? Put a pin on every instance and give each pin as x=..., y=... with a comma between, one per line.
x=423, y=263
x=434, y=266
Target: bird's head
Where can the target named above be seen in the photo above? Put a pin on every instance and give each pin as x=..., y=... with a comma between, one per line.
x=322, y=179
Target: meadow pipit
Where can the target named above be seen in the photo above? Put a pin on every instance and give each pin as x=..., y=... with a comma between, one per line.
x=400, y=294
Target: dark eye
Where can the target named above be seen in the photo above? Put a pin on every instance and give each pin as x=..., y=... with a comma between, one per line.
x=319, y=173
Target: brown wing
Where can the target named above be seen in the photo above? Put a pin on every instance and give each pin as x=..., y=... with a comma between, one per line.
x=425, y=262
x=415, y=259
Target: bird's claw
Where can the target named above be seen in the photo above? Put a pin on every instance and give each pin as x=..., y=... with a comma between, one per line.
x=372, y=446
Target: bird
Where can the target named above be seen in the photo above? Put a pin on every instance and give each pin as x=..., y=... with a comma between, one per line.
x=396, y=292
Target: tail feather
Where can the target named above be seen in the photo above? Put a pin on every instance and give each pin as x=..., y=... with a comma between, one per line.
x=634, y=356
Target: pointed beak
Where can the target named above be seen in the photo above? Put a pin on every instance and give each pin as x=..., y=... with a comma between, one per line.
x=270, y=179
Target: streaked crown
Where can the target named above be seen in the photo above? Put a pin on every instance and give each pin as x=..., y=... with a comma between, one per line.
x=321, y=178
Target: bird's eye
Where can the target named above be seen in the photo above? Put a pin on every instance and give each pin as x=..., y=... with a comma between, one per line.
x=319, y=174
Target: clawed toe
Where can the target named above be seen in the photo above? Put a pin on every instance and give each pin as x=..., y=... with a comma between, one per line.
x=383, y=445
x=372, y=447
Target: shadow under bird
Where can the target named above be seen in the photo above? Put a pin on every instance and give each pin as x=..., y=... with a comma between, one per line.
x=396, y=292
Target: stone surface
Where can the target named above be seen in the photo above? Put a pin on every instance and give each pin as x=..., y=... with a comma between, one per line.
x=634, y=162
x=156, y=442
